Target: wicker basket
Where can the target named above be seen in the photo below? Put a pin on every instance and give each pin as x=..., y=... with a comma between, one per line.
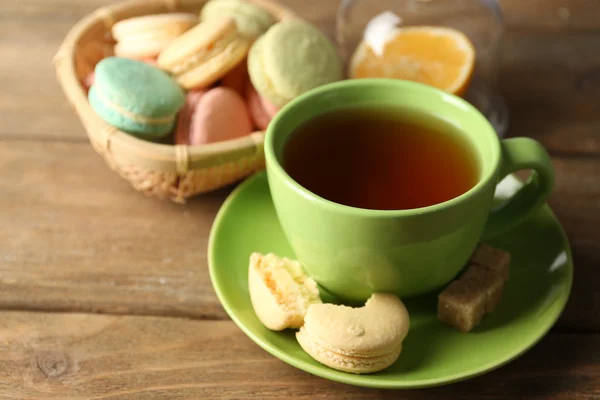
x=175, y=172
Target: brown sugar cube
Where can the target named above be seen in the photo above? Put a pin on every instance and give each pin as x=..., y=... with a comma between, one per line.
x=496, y=260
x=480, y=279
x=478, y=291
x=461, y=307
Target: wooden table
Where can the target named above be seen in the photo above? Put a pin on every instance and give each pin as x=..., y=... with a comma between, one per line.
x=105, y=293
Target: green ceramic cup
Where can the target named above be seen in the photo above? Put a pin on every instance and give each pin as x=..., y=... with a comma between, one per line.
x=353, y=252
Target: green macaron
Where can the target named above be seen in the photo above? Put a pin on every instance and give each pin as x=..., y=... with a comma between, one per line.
x=136, y=97
x=251, y=20
x=293, y=57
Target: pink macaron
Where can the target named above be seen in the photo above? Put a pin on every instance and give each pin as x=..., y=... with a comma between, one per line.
x=219, y=115
x=184, y=118
x=270, y=108
x=261, y=110
x=148, y=60
x=88, y=81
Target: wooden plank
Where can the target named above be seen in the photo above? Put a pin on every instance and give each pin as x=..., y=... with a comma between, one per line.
x=557, y=15
x=33, y=106
x=576, y=203
x=551, y=85
x=544, y=14
x=74, y=236
x=76, y=356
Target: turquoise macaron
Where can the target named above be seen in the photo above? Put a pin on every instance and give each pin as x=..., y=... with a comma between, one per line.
x=136, y=97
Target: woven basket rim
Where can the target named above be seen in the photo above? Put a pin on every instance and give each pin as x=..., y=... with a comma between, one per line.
x=65, y=66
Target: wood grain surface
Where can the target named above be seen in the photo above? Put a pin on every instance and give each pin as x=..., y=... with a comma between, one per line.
x=76, y=241
x=85, y=356
x=81, y=240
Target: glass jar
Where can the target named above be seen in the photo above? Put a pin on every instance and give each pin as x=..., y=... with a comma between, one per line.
x=375, y=22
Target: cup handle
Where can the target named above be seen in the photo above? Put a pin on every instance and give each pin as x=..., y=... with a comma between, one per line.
x=521, y=153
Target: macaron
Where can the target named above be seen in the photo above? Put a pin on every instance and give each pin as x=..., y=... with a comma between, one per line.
x=219, y=115
x=205, y=53
x=260, y=114
x=184, y=119
x=149, y=61
x=357, y=340
x=280, y=291
x=148, y=35
x=270, y=108
x=88, y=80
x=292, y=58
x=252, y=20
x=237, y=78
x=135, y=97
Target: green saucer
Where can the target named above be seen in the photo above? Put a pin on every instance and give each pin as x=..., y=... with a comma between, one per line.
x=433, y=353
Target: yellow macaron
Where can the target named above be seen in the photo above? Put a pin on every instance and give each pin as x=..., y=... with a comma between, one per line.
x=148, y=35
x=205, y=53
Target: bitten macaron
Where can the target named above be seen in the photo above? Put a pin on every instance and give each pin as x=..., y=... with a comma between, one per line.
x=148, y=35
x=280, y=291
x=357, y=340
x=135, y=97
x=205, y=53
x=252, y=20
x=293, y=57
